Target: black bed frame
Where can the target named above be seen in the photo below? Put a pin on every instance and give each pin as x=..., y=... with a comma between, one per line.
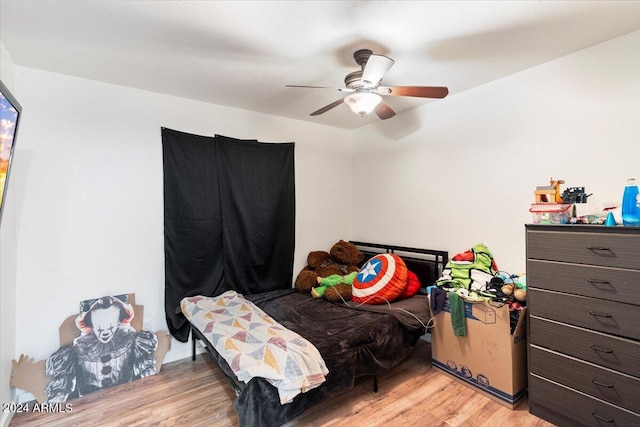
x=436, y=259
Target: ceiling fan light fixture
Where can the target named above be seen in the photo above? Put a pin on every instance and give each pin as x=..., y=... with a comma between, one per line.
x=362, y=103
x=364, y=87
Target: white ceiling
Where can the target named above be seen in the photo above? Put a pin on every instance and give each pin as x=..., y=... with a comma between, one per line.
x=242, y=53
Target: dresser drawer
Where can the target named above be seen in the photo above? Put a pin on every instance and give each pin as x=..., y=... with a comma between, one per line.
x=566, y=407
x=606, y=249
x=605, y=316
x=615, y=284
x=601, y=349
x=605, y=384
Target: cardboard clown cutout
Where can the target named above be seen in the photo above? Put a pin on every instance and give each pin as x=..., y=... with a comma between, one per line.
x=109, y=351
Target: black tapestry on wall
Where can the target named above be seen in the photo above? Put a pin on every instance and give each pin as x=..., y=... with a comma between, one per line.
x=229, y=218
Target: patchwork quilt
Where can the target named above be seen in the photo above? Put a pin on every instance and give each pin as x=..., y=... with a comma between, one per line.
x=255, y=345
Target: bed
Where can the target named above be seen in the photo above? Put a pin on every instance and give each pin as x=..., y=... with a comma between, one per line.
x=353, y=340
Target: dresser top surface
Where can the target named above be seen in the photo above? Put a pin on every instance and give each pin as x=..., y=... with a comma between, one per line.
x=583, y=228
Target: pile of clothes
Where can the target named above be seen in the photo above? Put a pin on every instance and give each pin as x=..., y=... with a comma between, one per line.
x=473, y=276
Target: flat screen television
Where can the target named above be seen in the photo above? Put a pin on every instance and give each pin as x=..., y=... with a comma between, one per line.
x=10, y=111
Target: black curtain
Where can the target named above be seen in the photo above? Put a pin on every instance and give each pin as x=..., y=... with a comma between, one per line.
x=229, y=218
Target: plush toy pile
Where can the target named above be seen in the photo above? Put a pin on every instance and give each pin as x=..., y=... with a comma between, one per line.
x=336, y=276
x=335, y=267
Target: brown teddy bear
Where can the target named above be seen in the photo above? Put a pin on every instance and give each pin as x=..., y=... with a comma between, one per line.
x=343, y=259
x=307, y=279
x=347, y=256
x=334, y=287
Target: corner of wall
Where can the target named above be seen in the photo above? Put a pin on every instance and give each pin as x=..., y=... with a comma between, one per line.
x=8, y=244
x=7, y=67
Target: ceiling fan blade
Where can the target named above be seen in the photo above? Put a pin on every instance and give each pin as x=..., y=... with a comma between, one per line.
x=375, y=69
x=327, y=107
x=321, y=87
x=384, y=111
x=417, y=91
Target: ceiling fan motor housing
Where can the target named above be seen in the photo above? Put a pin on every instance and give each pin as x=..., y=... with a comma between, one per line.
x=362, y=56
x=354, y=80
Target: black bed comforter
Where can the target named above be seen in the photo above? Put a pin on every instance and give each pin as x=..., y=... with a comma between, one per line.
x=353, y=341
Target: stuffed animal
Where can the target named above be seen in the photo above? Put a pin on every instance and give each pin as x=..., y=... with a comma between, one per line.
x=347, y=256
x=317, y=262
x=505, y=289
x=334, y=287
x=306, y=280
x=520, y=294
x=316, y=258
x=343, y=259
x=381, y=280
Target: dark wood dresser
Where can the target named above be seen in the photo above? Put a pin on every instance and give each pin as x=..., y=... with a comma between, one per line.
x=584, y=324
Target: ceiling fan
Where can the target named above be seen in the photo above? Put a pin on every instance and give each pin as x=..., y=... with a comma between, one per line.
x=364, y=88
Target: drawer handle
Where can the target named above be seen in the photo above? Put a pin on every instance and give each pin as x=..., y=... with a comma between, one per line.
x=598, y=383
x=601, y=418
x=594, y=314
x=601, y=350
x=598, y=248
x=598, y=282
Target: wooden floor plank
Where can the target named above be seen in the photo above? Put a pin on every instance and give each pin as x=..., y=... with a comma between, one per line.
x=187, y=393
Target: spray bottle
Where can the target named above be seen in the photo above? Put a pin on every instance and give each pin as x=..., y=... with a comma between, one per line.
x=631, y=204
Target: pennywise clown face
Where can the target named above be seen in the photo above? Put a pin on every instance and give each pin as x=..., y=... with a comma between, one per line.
x=105, y=322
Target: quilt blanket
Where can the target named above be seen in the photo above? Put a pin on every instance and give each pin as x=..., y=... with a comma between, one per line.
x=255, y=345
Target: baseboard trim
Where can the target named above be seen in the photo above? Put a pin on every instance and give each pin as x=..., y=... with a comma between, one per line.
x=23, y=396
x=182, y=354
x=6, y=418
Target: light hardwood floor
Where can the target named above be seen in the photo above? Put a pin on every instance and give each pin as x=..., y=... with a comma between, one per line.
x=187, y=393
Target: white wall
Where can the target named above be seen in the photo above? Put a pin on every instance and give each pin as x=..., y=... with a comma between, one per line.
x=90, y=212
x=8, y=265
x=462, y=170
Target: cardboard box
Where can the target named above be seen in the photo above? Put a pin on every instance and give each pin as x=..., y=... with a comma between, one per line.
x=489, y=358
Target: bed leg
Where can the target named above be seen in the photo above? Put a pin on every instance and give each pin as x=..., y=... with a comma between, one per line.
x=193, y=346
x=375, y=383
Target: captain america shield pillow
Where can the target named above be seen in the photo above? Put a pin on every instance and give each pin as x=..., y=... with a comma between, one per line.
x=380, y=280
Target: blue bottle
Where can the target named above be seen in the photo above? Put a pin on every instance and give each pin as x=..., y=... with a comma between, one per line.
x=631, y=204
